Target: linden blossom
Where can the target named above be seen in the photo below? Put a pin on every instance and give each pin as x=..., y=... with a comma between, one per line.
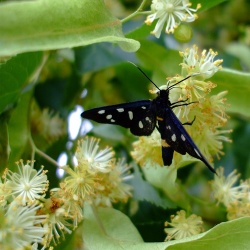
x=172, y=13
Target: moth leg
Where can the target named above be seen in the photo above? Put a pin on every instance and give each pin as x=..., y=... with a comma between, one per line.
x=180, y=101
x=189, y=123
x=183, y=104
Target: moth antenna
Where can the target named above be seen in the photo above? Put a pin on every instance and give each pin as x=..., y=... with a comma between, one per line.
x=145, y=75
x=194, y=74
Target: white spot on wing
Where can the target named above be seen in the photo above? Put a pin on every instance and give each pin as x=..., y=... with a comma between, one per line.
x=168, y=127
x=140, y=124
x=109, y=117
x=101, y=111
x=173, y=137
x=120, y=110
x=147, y=119
x=130, y=114
x=183, y=137
x=112, y=120
x=143, y=107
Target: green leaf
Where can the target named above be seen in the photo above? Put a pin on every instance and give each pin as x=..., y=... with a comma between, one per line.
x=238, y=86
x=4, y=143
x=227, y=235
x=108, y=55
x=15, y=75
x=240, y=51
x=19, y=128
x=164, y=178
x=108, y=132
x=161, y=61
x=122, y=235
x=141, y=32
x=120, y=232
x=205, y=5
x=133, y=85
x=161, y=177
x=143, y=191
x=46, y=25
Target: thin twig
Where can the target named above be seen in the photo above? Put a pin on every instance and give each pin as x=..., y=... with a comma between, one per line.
x=137, y=12
x=41, y=153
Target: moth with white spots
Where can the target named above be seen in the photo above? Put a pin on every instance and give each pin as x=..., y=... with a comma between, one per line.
x=142, y=117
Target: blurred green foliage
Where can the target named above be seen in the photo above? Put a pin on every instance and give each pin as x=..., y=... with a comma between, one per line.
x=95, y=72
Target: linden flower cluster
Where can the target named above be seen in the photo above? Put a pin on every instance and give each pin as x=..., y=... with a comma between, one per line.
x=21, y=223
x=171, y=12
x=207, y=110
x=234, y=194
x=47, y=123
x=97, y=179
x=28, y=218
x=183, y=227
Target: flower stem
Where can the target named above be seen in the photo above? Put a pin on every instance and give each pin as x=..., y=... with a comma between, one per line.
x=137, y=12
x=45, y=156
x=41, y=153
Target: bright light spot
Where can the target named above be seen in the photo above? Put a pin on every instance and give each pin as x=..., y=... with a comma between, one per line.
x=60, y=173
x=74, y=122
x=84, y=93
x=69, y=145
x=86, y=127
x=75, y=162
x=62, y=161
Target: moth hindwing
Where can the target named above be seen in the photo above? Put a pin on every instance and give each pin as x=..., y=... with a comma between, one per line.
x=141, y=117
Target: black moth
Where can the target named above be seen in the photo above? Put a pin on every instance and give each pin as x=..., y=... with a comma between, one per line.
x=141, y=117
